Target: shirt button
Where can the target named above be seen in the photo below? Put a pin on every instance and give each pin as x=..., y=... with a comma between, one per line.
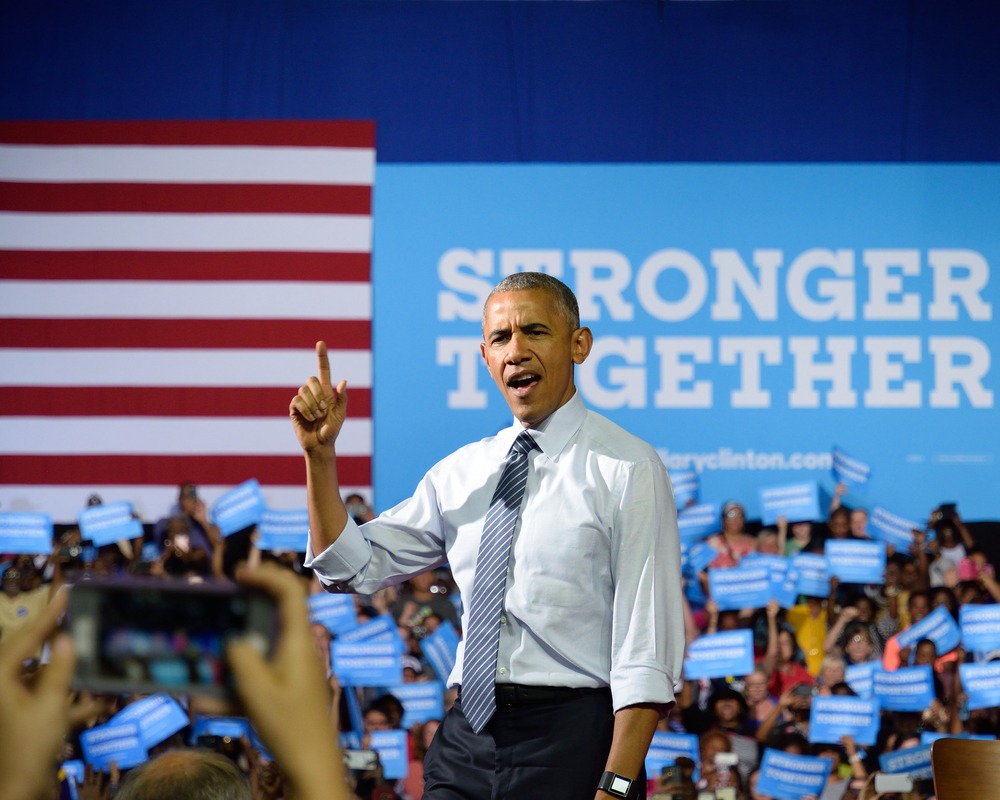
x=502, y=670
x=503, y=620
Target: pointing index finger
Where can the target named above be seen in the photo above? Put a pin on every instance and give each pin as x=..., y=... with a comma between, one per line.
x=324, y=363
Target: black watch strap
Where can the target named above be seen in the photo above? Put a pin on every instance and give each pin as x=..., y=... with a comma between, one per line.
x=614, y=784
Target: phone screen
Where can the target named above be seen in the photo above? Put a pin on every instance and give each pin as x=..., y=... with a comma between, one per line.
x=146, y=634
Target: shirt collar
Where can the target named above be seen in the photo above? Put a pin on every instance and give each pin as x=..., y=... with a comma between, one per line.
x=555, y=431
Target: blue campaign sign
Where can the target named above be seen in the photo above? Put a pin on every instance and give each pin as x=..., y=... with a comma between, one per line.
x=381, y=629
x=158, y=716
x=367, y=663
x=686, y=486
x=849, y=470
x=939, y=626
x=834, y=716
x=855, y=561
x=231, y=727
x=892, y=528
x=715, y=297
x=981, y=683
x=25, y=533
x=120, y=743
x=797, y=502
x=861, y=677
x=980, y=626
x=667, y=747
x=912, y=761
x=239, y=508
x=694, y=523
x=906, y=689
x=283, y=530
x=720, y=655
x=699, y=556
x=786, y=776
x=745, y=586
x=813, y=578
x=421, y=701
x=393, y=752
x=440, y=649
x=109, y=523
x=336, y=612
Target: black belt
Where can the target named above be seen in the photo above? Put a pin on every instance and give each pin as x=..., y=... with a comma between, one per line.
x=509, y=695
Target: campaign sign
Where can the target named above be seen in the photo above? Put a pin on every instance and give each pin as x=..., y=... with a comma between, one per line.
x=393, y=752
x=981, y=683
x=891, y=528
x=849, y=470
x=694, y=523
x=25, y=533
x=667, y=747
x=119, y=743
x=906, y=689
x=226, y=727
x=912, y=761
x=796, y=502
x=367, y=663
x=744, y=586
x=834, y=716
x=158, y=716
x=980, y=626
x=73, y=773
x=694, y=592
x=785, y=776
x=440, y=649
x=239, y=508
x=861, y=677
x=381, y=629
x=687, y=486
x=107, y=524
x=421, y=701
x=813, y=578
x=283, y=530
x=939, y=626
x=785, y=587
x=699, y=556
x=719, y=655
x=929, y=737
x=336, y=612
x=855, y=561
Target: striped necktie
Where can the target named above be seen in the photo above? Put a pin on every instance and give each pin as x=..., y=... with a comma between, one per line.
x=482, y=640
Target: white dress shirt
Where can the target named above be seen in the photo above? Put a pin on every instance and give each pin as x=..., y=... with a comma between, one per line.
x=593, y=594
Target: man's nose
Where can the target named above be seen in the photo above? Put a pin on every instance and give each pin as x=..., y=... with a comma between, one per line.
x=517, y=350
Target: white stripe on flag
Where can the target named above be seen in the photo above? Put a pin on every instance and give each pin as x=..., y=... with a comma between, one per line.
x=301, y=233
x=187, y=164
x=214, y=368
x=185, y=300
x=166, y=436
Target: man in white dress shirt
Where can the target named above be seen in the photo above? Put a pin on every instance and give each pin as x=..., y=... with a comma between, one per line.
x=591, y=632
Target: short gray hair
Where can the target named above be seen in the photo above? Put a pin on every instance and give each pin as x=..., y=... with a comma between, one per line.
x=523, y=281
x=199, y=775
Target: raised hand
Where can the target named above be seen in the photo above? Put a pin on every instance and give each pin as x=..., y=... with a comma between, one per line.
x=319, y=409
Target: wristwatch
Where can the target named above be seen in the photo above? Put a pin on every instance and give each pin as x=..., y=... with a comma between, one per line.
x=615, y=784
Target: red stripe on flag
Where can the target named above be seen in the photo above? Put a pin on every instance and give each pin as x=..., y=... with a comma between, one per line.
x=184, y=266
x=157, y=401
x=266, y=132
x=99, y=470
x=147, y=333
x=190, y=198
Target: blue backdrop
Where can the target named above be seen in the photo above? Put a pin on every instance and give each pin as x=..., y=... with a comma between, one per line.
x=479, y=84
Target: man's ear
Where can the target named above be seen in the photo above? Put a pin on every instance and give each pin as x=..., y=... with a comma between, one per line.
x=583, y=342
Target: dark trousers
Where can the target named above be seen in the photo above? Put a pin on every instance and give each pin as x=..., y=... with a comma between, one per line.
x=549, y=750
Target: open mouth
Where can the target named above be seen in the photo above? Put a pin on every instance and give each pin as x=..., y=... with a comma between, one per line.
x=522, y=382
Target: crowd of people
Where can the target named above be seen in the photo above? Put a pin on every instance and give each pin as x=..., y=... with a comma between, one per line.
x=801, y=653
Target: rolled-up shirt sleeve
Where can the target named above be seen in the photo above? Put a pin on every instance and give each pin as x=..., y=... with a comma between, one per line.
x=647, y=620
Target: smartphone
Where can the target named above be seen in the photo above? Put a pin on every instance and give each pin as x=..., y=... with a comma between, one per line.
x=143, y=634
x=887, y=782
x=360, y=760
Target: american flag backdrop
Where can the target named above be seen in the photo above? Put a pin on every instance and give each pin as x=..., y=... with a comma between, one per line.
x=162, y=285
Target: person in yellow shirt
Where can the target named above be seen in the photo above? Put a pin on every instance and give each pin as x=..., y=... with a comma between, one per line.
x=810, y=622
